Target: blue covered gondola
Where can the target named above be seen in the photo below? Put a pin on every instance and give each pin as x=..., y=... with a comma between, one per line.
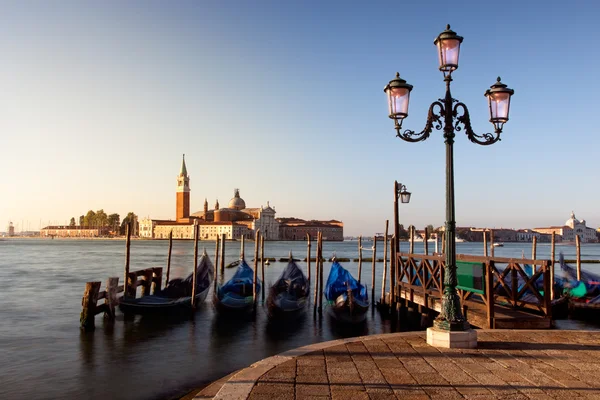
x=347, y=299
x=237, y=293
x=289, y=295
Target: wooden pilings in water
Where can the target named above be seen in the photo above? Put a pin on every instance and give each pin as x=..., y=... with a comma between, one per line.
x=222, y=265
x=359, y=258
x=169, y=257
x=411, y=232
x=373, y=270
x=127, y=247
x=534, y=251
x=553, y=257
x=262, y=264
x=485, y=244
x=88, y=312
x=254, y=281
x=492, y=242
x=308, y=256
x=425, y=244
x=385, y=254
x=578, y=249
x=318, y=296
x=194, y=277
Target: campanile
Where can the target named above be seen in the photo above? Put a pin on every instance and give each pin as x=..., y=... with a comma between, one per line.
x=183, y=194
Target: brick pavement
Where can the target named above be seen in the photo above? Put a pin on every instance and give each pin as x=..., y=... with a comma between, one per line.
x=508, y=364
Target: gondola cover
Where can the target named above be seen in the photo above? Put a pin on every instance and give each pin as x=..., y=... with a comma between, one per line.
x=339, y=281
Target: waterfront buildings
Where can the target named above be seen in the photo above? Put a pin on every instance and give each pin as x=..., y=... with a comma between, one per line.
x=10, y=230
x=233, y=221
x=74, y=231
x=572, y=227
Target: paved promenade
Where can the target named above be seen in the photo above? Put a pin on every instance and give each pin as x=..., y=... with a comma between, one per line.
x=508, y=364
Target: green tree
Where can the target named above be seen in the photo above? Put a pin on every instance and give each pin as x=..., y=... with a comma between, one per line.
x=72, y=223
x=81, y=218
x=402, y=233
x=130, y=217
x=89, y=219
x=430, y=231
x=114, y=220
x=101, y=218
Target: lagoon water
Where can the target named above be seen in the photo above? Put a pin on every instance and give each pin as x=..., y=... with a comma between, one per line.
x=44, y=355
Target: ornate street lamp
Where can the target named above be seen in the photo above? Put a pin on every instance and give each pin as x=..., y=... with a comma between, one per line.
x=450, y=115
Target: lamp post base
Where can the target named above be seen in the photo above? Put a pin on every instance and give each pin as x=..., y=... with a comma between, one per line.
x=466, y=339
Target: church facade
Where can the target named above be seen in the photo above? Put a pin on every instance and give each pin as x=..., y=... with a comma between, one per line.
x=233, y=221
x=572, y=228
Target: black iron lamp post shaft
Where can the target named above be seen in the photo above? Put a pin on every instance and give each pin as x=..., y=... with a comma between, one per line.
x=452, y=116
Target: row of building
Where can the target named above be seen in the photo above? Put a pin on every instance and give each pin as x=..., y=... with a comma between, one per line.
x=234, y=221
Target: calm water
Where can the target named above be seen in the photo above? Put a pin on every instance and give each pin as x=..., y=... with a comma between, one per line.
x=45, y=356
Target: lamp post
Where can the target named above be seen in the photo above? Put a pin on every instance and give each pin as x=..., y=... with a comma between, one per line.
x=400, y=193
x=452, y=116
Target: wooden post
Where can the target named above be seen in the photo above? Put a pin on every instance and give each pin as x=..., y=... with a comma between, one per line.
x=316, y=277
x=242, y=249
x=552, y=257
x=156, y=279
x=578, y=249
x=262, y=264
x=437, y=237
x=254, y=281
x=88, y=312
x=194, y=277
x=373, y=270
x=444, y=242
x=489, y=292
x=359, y=257
x=385, y=255
x=533, y=253
x=222, y=267
x=393, y=268
x=425, y=244
x=216, y=266
x=111, y=300
x=127, y=247
x=169, y=257
x=308, y=257
x=411, y=231
x=321, y=273
x=492, y=242
x=485, y=244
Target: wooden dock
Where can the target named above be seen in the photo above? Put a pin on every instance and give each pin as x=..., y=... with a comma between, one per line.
x=497, y=298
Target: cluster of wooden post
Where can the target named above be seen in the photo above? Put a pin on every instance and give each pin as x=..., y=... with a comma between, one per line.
x=318, y=298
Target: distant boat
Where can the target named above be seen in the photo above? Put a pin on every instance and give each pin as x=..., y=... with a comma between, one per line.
x=497, y=244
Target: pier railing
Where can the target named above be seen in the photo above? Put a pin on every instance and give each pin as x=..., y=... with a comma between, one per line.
x=503, y=282
x=149, y=279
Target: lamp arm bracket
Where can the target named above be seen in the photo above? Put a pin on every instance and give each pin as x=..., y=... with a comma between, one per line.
x=463, y=121
x=433, y=120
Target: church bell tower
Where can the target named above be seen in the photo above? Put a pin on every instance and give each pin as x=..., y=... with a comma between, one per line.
x=183, y=194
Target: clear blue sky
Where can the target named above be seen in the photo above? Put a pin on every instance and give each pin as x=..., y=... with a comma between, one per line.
x=284, y=100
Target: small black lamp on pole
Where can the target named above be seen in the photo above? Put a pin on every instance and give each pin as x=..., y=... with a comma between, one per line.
x=449, y=115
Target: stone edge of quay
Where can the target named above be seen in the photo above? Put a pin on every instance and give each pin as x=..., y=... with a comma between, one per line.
x=239, y=386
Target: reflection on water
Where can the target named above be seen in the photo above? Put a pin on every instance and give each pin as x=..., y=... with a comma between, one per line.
x=44, y=354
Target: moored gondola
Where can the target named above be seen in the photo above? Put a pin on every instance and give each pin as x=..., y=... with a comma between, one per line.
x=347, y=299
x=237, y=293
x=289, y=295
x=176, y=296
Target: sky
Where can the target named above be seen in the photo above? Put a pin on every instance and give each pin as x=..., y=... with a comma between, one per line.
x=284, y=100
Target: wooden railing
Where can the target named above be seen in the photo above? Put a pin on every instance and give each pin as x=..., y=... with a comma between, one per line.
x=149, y=279
x=423, y=275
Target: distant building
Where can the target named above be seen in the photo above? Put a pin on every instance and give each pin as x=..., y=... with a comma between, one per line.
x=572, y=228
x=74, y=231
x=10, y=229
x=297, y=229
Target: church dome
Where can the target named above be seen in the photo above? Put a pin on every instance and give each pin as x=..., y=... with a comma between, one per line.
x=237, y=203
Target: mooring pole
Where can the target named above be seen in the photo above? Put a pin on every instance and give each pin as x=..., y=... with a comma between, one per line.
x=169, y=257
x=216, y=266
x=254, y=281
x=492, y=242
x=393, y=263
x=533, y=252
x=127, y=247
x=425, y=244
x=578, y=248
x=262, y=264
x=373, y=270
x=222, y=260
x=321, y=273
x=485, y=244
x=385, y=255
x=194, y=277
x=242, y=248
x=359, y=257
x=308, y=256
x=552, y=256
x=411, y=230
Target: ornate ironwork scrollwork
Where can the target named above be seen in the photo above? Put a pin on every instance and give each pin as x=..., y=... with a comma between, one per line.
x=465, y=120
x=433, y=120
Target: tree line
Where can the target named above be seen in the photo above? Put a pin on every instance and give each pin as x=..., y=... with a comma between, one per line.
x=100, y=219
